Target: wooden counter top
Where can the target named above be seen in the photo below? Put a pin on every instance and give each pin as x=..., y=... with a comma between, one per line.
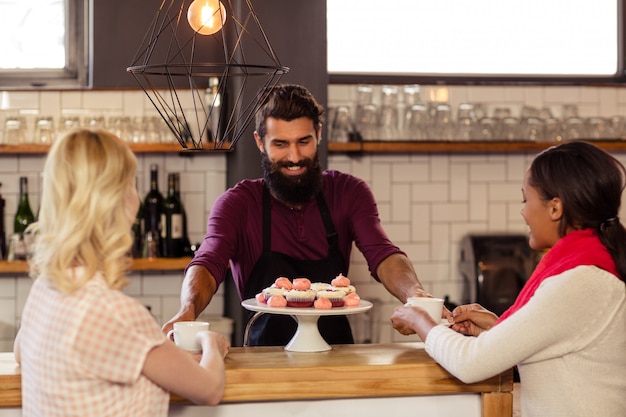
x=346, y=371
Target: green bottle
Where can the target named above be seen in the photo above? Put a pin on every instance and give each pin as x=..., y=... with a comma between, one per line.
x=24, y=215
x=23, y=218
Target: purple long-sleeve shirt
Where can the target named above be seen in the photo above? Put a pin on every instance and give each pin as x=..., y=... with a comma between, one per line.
x=234, y=230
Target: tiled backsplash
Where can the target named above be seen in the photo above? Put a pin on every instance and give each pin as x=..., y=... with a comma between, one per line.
x=427, y=202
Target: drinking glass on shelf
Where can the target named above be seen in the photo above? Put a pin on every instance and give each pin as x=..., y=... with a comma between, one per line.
x=416, y=122
x=465, y=128
x=553, y=131
x=388, y=117
x=500, y=113
x=120, y=127
x=486, y=129
x=154, y=129
x=598, y=128
x=466, y=122
x=68, y=122
x=574, y=128
x=44, y=130
x=341, y=125
x=508, y=128
x=366, y=118
x=443, y=124
x=466, y=111
x=532, y=128
x=617, y=127
x=94, y=122
x=14, y=130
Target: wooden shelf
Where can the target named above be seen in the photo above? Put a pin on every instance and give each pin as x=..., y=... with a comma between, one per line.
x=33, y=149
x=157, y=264
x=435, y=146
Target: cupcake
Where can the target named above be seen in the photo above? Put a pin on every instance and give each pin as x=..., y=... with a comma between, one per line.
x=320, y=286
x=336, y=297
x=300, y=298
x=340, y=281
x=348, y=289
x=301, y=284
x=269, y=291
x=283, y=282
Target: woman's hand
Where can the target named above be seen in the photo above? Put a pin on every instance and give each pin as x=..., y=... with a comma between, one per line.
x=411, y=320
x=472, y=319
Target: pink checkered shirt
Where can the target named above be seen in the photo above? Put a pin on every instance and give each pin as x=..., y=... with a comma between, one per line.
x=82, y=354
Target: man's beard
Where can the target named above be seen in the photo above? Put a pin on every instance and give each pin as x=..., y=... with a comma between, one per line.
x=293, y=190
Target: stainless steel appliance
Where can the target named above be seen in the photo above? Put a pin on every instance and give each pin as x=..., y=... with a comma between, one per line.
x=494, y=268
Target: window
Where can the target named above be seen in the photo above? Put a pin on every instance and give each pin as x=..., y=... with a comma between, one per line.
x=476, y=39
x=43, y=43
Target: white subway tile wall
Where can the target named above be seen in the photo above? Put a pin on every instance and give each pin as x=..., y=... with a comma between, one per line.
x=427, y=202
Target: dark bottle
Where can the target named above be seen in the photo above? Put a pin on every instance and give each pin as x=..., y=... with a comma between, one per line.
x=23, y=218
x=138, y=232
x=186, y=243
x=153, y=209
x=24, y=215
x=3, y=236
x=172, y=220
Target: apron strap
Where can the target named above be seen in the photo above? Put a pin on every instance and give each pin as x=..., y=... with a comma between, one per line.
x=267, y=221
x=331, y=234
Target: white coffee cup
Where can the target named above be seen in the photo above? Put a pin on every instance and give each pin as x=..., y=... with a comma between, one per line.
x=433, y=306
x=184, y=333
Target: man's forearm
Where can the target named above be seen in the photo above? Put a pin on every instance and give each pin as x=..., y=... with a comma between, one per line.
x=197, y=290
x=399, y=278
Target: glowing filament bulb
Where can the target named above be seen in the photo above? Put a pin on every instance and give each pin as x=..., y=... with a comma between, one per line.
x=206, y=17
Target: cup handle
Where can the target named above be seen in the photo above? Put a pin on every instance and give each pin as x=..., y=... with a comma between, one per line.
x=170, y=335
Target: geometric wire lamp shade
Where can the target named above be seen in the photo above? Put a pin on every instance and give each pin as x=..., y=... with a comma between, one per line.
x=206, y=81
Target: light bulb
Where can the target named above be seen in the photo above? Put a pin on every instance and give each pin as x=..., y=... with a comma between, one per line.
x=206, y=17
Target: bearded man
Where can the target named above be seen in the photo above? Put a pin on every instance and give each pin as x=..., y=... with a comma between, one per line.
x=296, y=221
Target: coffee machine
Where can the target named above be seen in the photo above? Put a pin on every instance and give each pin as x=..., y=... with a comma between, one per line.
x=494, y=268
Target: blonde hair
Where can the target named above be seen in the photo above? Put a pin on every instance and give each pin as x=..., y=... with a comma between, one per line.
x=83, y=219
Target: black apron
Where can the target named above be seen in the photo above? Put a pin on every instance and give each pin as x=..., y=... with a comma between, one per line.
x=275, y=329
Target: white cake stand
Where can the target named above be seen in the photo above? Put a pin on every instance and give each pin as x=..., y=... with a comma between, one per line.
x=307, y=337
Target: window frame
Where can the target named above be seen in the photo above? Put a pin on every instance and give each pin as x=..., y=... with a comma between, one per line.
x=75, y=74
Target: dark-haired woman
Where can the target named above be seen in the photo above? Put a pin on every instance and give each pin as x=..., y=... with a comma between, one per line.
x=566, y=331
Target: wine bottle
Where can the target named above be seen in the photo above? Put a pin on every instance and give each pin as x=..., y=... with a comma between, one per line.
x=153, y=209
x=172, y=232
x=23, y=217
x=3, y=241
x=138, y=231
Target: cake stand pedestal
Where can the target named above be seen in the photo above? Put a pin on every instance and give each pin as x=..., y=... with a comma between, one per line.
x=307, y=337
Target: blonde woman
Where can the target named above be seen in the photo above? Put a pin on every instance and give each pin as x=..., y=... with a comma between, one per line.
x=85, y=348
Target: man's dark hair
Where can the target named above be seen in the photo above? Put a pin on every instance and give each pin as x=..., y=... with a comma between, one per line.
x=288, y=102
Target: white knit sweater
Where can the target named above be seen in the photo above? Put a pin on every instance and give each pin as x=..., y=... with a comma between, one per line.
x=569, y=342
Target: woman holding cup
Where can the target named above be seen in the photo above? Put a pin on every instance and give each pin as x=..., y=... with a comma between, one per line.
x=565, y=331
x=85, y=348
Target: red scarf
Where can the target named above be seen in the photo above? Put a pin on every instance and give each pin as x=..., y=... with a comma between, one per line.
x=580, y=247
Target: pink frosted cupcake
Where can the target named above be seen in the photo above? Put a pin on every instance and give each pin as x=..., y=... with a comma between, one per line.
x=336, y=297
x=320, y=286
x=300, y=298
x=269, y=291
x=340, y=282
